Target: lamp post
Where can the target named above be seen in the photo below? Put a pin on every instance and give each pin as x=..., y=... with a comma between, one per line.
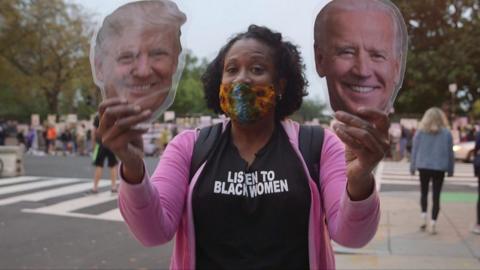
x=452, y=88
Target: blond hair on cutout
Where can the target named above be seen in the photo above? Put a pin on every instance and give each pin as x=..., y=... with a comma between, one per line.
x=433, y=120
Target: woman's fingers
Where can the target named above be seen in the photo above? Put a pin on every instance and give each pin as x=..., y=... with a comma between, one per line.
x=110, y=103
x=125, y=124
x=119, y=116
x=360, y=139
x=120, y=142
x=365, y=135
x=117, y=127
x=372, y=129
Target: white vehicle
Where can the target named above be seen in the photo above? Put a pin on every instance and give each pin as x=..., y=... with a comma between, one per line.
x=464, y=151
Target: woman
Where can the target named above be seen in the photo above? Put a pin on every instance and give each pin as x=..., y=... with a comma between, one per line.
x=257, y=80
x=432, y=155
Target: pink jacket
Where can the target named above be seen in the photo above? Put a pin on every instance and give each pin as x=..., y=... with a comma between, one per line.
x=160, y=207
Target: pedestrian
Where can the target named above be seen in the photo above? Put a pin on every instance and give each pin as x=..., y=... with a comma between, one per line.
x=89, y=143
x=411, y=134
x=100, y=154
x=51, y=138
x=257, y=79
x=21, y=139
x=404, y=138
x=80, y=137
x=3, y=132
x=432, y=156
x=67, y=141
x=31, y=137
x=476, y=167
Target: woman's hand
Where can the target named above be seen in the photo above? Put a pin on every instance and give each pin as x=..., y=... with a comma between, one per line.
x=366, y=138
x=116, y=131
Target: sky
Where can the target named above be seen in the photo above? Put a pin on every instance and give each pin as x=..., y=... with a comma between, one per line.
x=210, y=23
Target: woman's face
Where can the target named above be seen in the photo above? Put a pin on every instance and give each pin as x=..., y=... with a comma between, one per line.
x=249, y=61
x=248, y=90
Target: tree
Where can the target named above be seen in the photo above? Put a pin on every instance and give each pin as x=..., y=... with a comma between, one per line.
x=444, y=37
x=189, y=99
x=310, y=109
x=43, y=55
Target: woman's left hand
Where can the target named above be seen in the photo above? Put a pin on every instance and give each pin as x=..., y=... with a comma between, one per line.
x=366, y=139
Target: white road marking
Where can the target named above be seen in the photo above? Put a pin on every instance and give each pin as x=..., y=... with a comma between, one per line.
x=29, y=186
x=51, y=193
x=13, y=180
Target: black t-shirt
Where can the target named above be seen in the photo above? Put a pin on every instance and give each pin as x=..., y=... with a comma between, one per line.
x=252, y=217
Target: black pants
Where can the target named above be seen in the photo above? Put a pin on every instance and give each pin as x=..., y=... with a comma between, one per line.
x=437, y=182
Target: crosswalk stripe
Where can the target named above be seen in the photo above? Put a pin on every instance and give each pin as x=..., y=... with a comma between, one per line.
x=417, y=183
x=456, y=175
x=51, y=193
x=113, y=214
x=76, y=215
x=14, y=180
x=28, y=186
x=398, y=173
x=63, y=208
x=72, y=205
x=416, y=177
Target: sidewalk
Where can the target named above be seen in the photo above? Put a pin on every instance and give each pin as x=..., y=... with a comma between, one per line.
x=399, y=243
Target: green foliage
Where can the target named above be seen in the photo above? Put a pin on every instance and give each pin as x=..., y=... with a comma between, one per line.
x=476, y=109
x=189, y=99
x=310, y=109
x=43, y=55
x=444, y=37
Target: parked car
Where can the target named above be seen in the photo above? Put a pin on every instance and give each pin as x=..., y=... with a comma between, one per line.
x=464, y=151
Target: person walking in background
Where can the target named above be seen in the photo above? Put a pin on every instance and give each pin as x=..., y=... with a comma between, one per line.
x=2, y=132
x=476, y=166
x=51, y=139
x=80, y=139
x=31, y=134
x=432, y=155
x=100, y=153
x=404, y=137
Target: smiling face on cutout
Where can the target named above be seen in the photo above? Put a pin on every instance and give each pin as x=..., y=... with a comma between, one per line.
x=139, y=64
x=359, y=60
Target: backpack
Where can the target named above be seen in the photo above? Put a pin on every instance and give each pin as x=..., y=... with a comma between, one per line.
x=310, y=142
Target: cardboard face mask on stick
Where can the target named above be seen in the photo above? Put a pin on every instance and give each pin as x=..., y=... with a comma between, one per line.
x=360, y=48
x=136, y=54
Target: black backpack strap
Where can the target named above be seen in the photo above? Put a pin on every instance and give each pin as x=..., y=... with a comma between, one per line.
x=203, y=145
x=310, y=142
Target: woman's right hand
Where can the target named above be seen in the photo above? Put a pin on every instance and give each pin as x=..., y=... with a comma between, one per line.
x=116, y=131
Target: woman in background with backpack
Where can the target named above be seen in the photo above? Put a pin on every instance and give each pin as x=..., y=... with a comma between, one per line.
x=252, y=204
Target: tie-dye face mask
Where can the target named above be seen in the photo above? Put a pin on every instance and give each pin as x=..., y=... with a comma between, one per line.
x=246, y=103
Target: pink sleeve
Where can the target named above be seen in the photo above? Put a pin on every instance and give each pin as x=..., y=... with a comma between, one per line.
x=153, y=208
x=350, y=223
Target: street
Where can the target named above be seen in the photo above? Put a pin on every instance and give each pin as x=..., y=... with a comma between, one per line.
x=48, y=221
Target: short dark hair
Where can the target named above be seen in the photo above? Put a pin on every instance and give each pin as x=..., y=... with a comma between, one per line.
x=288, y=64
